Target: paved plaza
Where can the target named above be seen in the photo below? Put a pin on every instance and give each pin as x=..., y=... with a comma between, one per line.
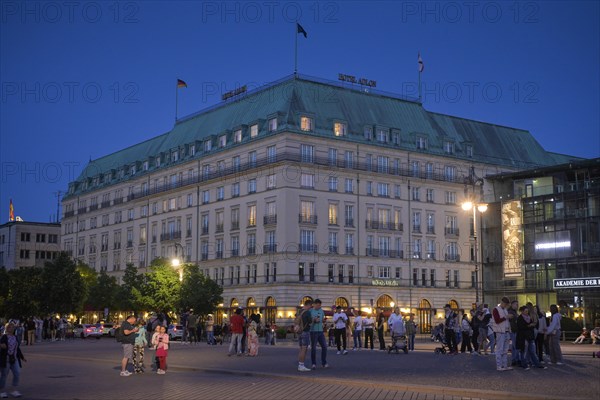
x=89, y=369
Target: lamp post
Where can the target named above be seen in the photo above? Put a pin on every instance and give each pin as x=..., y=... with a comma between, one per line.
x=481, y=207
x=176, y=262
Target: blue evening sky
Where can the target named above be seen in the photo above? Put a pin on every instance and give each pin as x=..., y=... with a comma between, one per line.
x=82, y=79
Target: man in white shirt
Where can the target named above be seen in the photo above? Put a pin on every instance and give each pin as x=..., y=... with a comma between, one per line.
x=396, y=323
x=339, y=321
x=358, y=323
x=369, y=324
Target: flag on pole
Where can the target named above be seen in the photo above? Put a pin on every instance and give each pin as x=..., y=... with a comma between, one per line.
x=301, y=30
x=421, y=65
x=11, y=211
x=181, y=83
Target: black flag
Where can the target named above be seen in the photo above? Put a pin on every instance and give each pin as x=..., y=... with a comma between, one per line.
x=301, y=30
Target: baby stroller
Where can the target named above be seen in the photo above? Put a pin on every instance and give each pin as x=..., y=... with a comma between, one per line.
x=438, y=336
x=218, y=334
x=399, y=340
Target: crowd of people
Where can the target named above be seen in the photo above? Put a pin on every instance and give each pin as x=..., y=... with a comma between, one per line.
x=29, y=331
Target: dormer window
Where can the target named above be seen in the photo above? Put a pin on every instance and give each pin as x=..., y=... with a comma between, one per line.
x=237, y=136
x=448, y=147
x=145, y=166
x=396, y=138
x=157, y=163
x=222, y=141
x=254, y=130
x=382, y=135
x=368, y=132
x=175, y=155
x=272, y=124
x=192, y=150
x=132, y=170
x=469, y=151
x=306, y=124
x=207, y=145
x=339, y=129
x=421, y=143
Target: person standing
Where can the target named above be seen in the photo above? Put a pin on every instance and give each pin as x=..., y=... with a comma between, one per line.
x=411, y=331
x=526, y=339
x=317, y=336
x=475, y=332
x=501, y=327
x=10, y=360
x=358, y=325
x=304, y=334
x=340, y=319
x=210, y=330
x=30, y=326
x=449, y=329
x=162, y=348
x=553, y=333
x=380, y=327
x=514, y=351
x=237, y=332
x=138, y=348
x=192, y=325
x=127, y=342
x=369, y=323
x=465, y=327
x=252, y=339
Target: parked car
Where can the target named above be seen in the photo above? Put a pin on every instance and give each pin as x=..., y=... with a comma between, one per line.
x=175, y=332
x=107, y=329
x=87, y=330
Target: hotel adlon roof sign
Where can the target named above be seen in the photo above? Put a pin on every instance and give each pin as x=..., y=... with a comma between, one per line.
x=573, y=283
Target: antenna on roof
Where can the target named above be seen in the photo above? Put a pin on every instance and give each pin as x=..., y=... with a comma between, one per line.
x=58, y=194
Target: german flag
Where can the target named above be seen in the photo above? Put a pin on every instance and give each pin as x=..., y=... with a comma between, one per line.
x=300, y=29
x=181, y=83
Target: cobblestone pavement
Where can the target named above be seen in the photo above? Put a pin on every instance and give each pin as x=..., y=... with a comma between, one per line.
x=89, y=369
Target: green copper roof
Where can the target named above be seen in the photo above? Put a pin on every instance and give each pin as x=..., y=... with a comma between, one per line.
x=328, y=102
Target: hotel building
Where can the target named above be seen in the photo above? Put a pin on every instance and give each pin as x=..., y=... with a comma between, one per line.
x=303, y=188
x=28, y=244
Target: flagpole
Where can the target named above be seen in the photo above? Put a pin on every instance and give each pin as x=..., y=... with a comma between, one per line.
x=420, y=101
x=176, y=98
x=296, y=50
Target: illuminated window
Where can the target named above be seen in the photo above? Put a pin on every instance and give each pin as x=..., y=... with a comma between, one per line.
x=237, y=136
x=339, y=129
x=272, y=124
x=306, y=124
x=254, y=130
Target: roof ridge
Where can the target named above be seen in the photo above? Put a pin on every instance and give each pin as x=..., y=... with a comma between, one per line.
x=478, y=121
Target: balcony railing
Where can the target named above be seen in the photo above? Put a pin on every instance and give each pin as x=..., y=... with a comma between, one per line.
x=374, y=252
x=170, y=236
x=431, y=256
x=219, y=254
x=450, y=231
x=381, y=225
x=307, y=219
x=219, y=228
x=235, y=252
x=332, y=221
x=349, y=250
x=307, y=248
x=430, y=230
x=204, y=256
x=349, y=223
x=251, y=251
x=205, y=230
x=270, y=219
x=452, y=257
x=235, y=225
x=105, y=204
x=270, y=248
x=333, y=249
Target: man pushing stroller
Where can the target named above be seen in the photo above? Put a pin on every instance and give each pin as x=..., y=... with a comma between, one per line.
x=396, y=325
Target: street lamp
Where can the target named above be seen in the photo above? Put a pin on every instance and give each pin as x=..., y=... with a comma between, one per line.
x=471, y=204
x=176, y=262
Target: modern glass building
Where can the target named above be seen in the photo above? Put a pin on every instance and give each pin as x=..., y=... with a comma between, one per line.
x=544, y=242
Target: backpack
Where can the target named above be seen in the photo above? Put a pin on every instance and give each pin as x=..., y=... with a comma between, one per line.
x=119, y=336
x=298, y=325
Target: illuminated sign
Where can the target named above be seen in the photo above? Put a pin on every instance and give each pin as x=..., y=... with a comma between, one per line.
x=360, y=81
x=232, y=93
x=384, y=282
x=512, y=239
x=554, y=245
x=576, y=283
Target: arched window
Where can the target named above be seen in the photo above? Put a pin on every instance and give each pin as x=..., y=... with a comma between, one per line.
x=270, y=309
x=342, y=302
x=233, y=304
x=453, y=305
x=385, y=301
x=251, y=307
x=424, y=314
x=304, y=299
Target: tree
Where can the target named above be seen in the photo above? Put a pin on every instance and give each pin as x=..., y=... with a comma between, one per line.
x=130, y=290
x=64, y=288
x=24, y=292
x=103, y=294
x=160, y=290
x=199, y=291
x=4, y=286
